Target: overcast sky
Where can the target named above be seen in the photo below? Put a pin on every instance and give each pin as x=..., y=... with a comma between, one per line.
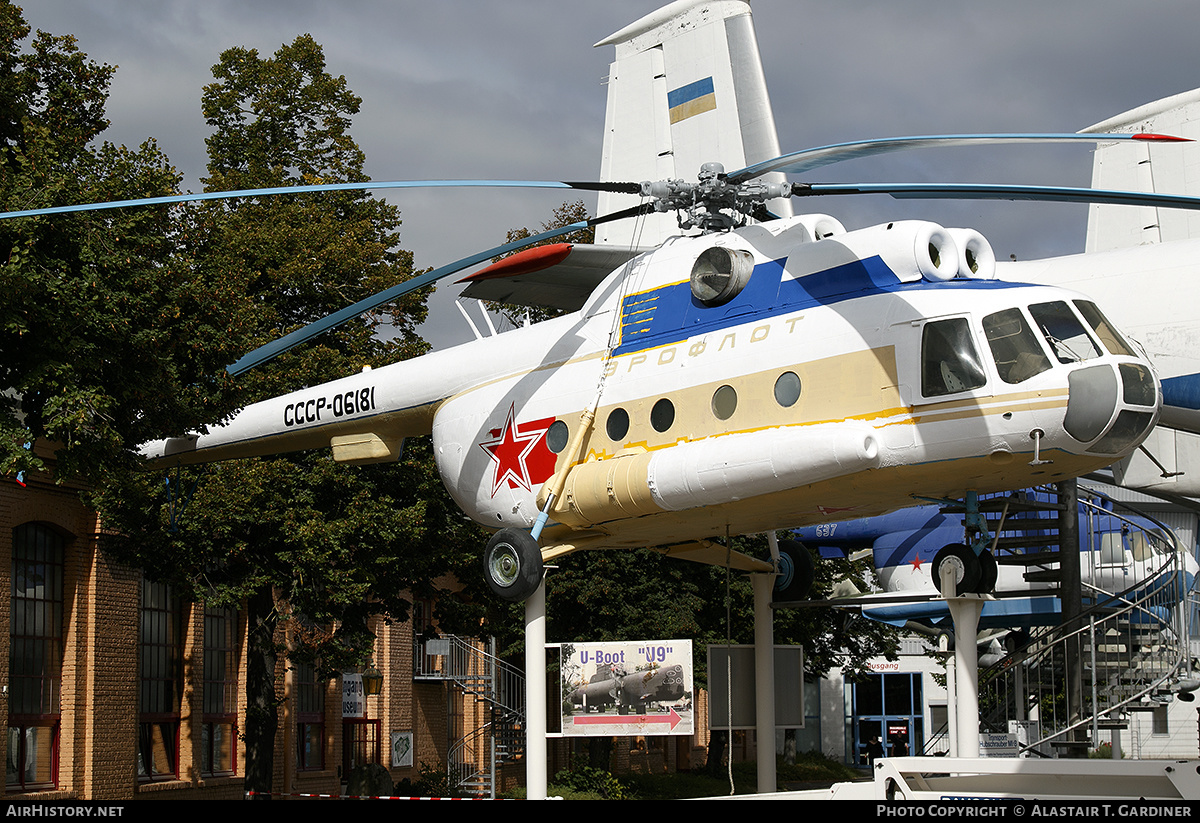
x=514, y=89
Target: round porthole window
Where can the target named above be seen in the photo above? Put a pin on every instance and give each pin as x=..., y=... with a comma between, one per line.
x=556, y=436
x=724, y=402
x=719, y=274
x=787, y=389
x=618, y=424
x=662, y=415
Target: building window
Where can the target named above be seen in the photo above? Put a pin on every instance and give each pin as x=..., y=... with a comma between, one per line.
x=887, y=708
x=360, y=743
x=35, y=657
x=218, y=731
x=1159, y=721
x=161, y=682
x=310, y=718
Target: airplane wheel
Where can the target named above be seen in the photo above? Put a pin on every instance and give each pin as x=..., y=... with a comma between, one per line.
x=796, y=572
x=987, y=573
x=965, y=564
x=512, y=564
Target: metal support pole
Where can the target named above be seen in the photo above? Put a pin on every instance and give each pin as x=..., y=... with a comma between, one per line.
x=764, y=679
x=951, y=698
x=535, y=695
x=965, y=613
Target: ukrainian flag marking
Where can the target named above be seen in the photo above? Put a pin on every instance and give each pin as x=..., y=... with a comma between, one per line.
x=692, y=99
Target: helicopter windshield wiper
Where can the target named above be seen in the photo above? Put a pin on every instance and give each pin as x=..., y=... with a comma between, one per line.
x=1061, y=346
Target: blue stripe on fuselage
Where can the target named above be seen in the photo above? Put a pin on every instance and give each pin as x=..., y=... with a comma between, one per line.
x=1182, y=392
x=669, y=314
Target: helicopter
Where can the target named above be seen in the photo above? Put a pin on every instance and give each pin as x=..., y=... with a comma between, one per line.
x=751, y=372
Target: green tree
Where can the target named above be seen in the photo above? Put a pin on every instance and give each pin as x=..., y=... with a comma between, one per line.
x=296, y=538
x=103, y=338
x=563, y=215
x=627, y=595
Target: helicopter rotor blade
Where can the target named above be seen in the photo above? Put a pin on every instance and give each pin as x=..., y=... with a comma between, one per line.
x=815, y=158
x=276, y=347
x=633, y=211
x=620, y=188
x=987, y=191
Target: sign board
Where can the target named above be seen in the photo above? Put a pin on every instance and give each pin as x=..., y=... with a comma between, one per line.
x=1025, y=731
x=633, y=688
x=997, y=744
x=354, y=699
x=735, y=665
x=402, y=750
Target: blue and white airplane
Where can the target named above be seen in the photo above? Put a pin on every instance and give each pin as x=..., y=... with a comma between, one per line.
x=1119, y=554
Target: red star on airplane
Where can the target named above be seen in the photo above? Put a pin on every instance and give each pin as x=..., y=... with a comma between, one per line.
x=916, y=562
x=520, y=453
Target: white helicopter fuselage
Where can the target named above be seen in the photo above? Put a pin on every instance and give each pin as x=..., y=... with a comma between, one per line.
x=849, y=372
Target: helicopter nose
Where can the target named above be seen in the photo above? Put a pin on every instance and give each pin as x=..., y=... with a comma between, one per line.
x=1125, y=395
x=1092, y=399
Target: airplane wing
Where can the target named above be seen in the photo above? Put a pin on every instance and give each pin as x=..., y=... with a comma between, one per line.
x=997, y=614
x=557, y=276
x=930, y=609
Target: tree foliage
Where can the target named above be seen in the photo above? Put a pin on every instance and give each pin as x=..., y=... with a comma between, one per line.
x=103, y=336
x=276, y=263
x=563, y=216
x=298, y=538
x=625, y=595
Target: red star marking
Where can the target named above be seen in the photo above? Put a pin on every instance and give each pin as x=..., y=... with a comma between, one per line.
x=916, y=562
x=520, y=453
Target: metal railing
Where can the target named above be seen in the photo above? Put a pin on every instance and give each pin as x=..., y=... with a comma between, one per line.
x=1126, y=651
x=491, y=727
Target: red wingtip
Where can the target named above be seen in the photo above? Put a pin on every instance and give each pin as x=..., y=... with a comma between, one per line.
x=1169, y=138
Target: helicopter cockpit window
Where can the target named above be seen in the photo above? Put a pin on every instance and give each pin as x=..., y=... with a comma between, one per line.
x=949, y=361
x=719, y=274
x=1015, y=348
x=1108, y=335
x=1063, y=331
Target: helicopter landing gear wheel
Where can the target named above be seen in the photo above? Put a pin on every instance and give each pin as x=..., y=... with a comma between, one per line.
x=988, y=572
x=512, y=564
x=796, y=572
x=965, y=564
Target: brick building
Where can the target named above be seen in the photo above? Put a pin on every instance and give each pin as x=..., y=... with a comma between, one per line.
x=115, y=689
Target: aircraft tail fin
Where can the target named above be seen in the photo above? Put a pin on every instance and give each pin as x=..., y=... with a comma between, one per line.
x=1169, y=460
x=687, y=87
x=1169, y=168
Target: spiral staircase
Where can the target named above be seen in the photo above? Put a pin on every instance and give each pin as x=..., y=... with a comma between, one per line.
x=1124, y=652
x=487, y=727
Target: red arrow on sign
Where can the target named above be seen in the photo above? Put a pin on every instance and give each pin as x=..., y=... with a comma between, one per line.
x=624, y=720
